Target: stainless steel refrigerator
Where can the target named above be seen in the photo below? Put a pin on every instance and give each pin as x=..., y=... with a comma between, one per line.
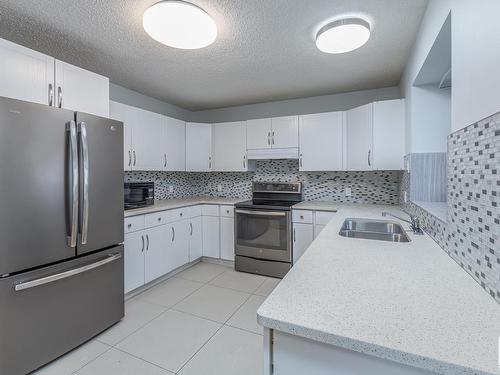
x=61, y=231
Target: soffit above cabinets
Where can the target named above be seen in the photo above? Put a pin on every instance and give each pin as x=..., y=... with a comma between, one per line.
x=265, y=50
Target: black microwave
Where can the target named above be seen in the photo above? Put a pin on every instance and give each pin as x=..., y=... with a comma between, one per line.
x=139, y=194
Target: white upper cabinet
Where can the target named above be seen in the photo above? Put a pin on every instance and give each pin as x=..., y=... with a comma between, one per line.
x=198, y=147
x=123, y=113
x=148, y=151
x=80, y=90
x=175, y=145
x=285, y=132
x=259, y=134
x=230, y=151
x=388, y=134
x=26, y=74
x=321, y=142
x=359, y=138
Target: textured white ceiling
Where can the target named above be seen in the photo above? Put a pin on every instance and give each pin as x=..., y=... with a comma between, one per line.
x=264, y=51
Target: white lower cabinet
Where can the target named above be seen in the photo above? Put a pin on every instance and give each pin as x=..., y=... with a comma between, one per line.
x=134, y=260
x=155, y=259
x=211, y=239
x=302, y=238
x=227, y=238
x=195, y=239
x=179, y=251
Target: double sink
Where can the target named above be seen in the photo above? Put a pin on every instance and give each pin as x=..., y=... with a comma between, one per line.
x=372, y=229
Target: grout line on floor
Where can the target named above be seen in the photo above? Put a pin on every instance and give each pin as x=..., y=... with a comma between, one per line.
x=92, y=360
x=144, y=360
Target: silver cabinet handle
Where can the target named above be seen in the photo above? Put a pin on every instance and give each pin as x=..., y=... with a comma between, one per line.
x=63, y=275
x=272, y=137
x=142, y=249
x=51, y=94
x=173, y=234
x=209, y=162
x=135, y=158
x=73, y=163
x=165, y=160
x=369, y=157
x=84, y=159
x=191, y=229
x=260, y=213
x=129, y=158
x=294, y=235
x=244, y=161
x=59, y=96
x=300, y=161
x=269, y=138
x=147, y=241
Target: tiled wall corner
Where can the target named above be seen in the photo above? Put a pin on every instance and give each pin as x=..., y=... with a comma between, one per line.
x=471, y=235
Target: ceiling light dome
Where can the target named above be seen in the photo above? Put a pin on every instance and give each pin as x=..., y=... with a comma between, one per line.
x=179, y=24
x=343, y=35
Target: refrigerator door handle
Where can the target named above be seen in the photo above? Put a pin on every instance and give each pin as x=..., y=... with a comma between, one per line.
x=73, y=164
x=64, y=275
x=84, y=159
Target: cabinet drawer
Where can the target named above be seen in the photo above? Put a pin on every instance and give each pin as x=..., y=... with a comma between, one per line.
x=210, y=210
x=155, y=219
x=194, y=211
x=134, y=223
x=227, y=211
x=302, y=216
x=323, y=217
x=177, y=214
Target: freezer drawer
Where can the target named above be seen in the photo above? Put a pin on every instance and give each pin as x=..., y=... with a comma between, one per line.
x=47, y=312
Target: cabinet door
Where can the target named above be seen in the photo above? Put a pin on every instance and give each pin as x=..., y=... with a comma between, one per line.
x=211, y=243
x=227, y=238
x=26, y=74
x=359, y=138
x=302, y=237
x=259, y=134
x=175, y=145
x=148, y=148
x=388, y=134
x=135, y=244
x=80, y=90
x=195, y=239
x=179, y=254
x=321, y=142
x=198, y=147
x=285, y=132
x=121, y=112
x=157, y=246
x=230, y=147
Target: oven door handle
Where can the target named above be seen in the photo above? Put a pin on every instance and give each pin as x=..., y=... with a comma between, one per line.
x=261, y=213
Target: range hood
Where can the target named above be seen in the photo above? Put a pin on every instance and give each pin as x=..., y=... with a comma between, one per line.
x=273, y=153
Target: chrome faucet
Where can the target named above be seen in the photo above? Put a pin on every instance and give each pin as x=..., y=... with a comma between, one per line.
x=414, y=222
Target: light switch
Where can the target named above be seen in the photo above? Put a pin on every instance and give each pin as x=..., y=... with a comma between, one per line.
x=170, y=189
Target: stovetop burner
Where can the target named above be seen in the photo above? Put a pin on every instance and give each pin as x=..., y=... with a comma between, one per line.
x=273, y=196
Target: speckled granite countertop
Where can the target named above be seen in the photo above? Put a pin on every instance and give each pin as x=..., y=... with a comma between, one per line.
x=405, y=302
x=317, y=206
x=170, y=204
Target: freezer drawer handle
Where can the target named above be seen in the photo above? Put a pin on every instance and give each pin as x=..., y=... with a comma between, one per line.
x=66, y=274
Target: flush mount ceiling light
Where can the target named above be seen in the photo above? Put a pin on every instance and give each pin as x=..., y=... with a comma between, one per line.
x=179, y=24
x=343, y=35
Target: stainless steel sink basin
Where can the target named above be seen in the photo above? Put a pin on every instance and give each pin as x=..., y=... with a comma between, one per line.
x=374, y=230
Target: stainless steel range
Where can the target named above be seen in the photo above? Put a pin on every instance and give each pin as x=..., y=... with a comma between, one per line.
x=263, y=229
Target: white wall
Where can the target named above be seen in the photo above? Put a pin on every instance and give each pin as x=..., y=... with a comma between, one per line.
x=431, y=116
x=475, y=58
x=314, y=104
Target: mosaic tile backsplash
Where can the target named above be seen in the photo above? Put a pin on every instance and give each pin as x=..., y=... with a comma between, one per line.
x=471, y=233
x=376, y=187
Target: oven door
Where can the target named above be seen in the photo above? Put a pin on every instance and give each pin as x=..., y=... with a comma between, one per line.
x=263, y=234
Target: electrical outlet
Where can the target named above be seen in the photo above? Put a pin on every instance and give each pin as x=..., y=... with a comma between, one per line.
x=405, y=196
x=170, y=189
x=219, y=188
x=348, y=192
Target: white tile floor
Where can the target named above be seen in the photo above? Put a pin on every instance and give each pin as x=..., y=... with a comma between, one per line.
x=200, y=322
